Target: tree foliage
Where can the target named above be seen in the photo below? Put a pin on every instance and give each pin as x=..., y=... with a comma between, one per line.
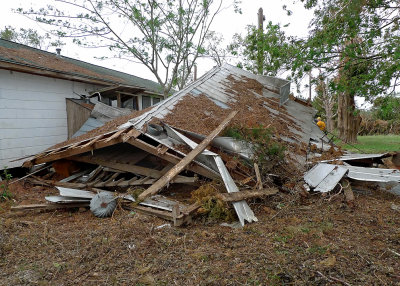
x=387, y=108
x=29, y=37
x=359, y=39
x=275, y=48
x=165, y=36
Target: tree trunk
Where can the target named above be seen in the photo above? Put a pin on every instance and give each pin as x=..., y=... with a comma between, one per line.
x=329, y=117
x=348, y=120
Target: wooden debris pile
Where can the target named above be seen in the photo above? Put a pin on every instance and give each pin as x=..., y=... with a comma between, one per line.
x=163, y=148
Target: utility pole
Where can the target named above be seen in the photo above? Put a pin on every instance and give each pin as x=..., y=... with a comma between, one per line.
x=195, y=72
x=261, y=19
x=260, y=50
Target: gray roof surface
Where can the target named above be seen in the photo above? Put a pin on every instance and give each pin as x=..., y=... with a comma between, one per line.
x=14, y=53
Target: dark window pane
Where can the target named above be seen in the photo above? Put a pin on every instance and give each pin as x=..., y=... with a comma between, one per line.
x=146, y=101
x=156, y=100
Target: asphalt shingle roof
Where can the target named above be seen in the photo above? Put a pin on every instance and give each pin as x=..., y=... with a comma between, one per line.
x=19, y=54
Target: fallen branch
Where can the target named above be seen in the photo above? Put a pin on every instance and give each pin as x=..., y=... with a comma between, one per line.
x=333, y=279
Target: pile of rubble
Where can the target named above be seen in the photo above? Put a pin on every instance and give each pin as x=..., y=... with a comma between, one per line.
x=163, y=149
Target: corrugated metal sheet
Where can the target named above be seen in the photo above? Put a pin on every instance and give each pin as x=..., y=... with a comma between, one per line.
x=350, y=157
x=373, y=174
x=90, y=124
x=216, y=85
x=324, y=177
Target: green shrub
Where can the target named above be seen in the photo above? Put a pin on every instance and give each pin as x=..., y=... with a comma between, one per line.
x=4, y=191
x=268, y=152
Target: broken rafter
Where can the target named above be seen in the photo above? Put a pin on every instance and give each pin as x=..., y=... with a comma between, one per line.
x=110, y=183
x=131, y=134
x=170, y=158
x=119, y=166
x=71, y=152
x=187, y=160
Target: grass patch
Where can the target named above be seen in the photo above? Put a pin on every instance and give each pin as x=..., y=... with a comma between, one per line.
x=373, y=144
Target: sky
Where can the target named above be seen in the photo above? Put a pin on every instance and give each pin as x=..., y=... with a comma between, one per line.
x=227, y=23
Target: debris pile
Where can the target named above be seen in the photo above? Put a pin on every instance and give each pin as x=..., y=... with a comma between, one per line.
x=151, y=161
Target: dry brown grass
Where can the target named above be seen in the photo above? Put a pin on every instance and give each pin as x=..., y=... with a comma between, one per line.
x=306, y=241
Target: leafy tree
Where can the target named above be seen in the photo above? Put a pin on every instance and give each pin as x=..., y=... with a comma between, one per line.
x=165, y=36
x=272, y=45
x=387, y=108
x=29, y=37
x=214, y=49
x=358, y=42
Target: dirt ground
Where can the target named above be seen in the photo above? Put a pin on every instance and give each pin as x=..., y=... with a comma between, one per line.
x=297, y=241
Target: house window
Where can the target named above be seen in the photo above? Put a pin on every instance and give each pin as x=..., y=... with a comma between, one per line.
x=146, y=101
x=156, y=100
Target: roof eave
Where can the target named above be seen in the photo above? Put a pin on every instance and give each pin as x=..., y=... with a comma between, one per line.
x=36, y=70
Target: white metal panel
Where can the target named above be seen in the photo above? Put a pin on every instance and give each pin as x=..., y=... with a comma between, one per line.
x=350, y=157
x=317, y=174
x=330, y=181
x=373, y=174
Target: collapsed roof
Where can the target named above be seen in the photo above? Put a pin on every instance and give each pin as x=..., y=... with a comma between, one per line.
x=201, y=106
x=147, y=143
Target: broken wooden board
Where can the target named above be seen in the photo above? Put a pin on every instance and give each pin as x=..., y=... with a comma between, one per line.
x=164, y=180
x=48, y=206
x=182, y=218
x=249, y=194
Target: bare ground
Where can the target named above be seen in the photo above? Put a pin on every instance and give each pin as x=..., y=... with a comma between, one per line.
x=297, y=241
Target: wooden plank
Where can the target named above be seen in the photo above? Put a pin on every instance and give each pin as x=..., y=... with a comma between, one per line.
x=250, y=194
x=170, y=158
x=91, y=142
x=119, y=166
x=186, y=161
x=59, y=184
x=73, y=177
x=119, y=102
x=48, y=206
x=259, y=182
x=116, y=134
x=115, y=183
x=72, y=152
x=162, y=149
x=191, y=209
x=175, y=214
x=131, y=134
x=94, y=173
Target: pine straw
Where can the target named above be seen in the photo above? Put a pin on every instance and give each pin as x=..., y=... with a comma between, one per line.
x=294, y=240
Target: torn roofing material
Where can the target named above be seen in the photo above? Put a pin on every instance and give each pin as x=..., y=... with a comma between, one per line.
x=373, y=174
x=324, y=177
x=202, y=105
x=351, y=157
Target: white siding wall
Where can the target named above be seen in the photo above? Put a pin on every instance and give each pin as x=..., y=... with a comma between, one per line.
x=33, y=113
